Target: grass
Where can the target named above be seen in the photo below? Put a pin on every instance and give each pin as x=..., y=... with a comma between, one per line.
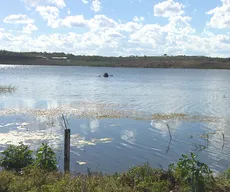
x=7, y=89
x=137, y=179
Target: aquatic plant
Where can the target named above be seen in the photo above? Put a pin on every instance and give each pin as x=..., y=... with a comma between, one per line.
x=7, y=89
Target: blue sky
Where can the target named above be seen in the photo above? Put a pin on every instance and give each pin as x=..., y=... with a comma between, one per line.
x=117, y=27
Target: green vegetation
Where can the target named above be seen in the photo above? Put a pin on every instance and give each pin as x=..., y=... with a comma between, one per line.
x=7, y=89
x=164, y=61
x=45, y=158
x=15, y=158
x=23, y=173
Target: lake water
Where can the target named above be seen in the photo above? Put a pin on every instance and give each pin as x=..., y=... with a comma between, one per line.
x=120, y=121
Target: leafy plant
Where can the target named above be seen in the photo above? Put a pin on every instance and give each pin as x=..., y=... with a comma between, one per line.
x=145, y=178
x=46, y=158
x=16, y=157
x=195, y=174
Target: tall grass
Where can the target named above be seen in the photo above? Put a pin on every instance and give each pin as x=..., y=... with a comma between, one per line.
x=137, y=179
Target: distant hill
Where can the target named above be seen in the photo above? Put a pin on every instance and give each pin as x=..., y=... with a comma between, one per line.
x=62, y=59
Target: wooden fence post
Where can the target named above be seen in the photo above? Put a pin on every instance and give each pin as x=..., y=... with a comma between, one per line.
x=67, y=151
x=66, y=148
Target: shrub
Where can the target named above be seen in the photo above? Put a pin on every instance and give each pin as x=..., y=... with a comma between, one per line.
x=16, y=157
x=45, y=158
x=145, y=178
x=191, y=172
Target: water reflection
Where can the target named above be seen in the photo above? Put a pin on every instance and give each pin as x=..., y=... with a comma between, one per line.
x=128, y=136
x=165, y=125
x=94, y=125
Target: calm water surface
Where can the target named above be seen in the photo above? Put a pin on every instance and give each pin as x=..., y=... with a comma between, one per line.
x=131, y=100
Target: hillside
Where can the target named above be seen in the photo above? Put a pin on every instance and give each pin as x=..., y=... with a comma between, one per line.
x=44, y=58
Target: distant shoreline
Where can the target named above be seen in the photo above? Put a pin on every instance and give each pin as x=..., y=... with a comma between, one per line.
x=62, y=59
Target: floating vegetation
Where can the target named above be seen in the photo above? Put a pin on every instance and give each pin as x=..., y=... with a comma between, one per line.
x=182, y=116
x=95, y=110
x=101, y=112
x=81, y=163
x=169, y=116
x=7, y=89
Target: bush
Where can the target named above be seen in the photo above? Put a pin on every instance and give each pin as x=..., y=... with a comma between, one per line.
x=46, y=158
x=145, y=178
x=16, y=157
x=194, y=175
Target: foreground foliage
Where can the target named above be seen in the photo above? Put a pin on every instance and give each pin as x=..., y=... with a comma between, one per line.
x=39, y=174
x=15, y=158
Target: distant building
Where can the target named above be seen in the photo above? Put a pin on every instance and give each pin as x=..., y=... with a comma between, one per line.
x=41, y=57
x=59, y=58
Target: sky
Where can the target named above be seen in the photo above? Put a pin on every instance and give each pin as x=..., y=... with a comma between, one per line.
x=117, y=27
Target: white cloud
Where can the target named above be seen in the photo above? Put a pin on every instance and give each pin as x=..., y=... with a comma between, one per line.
x=101, y=21
x=130, y=27
x=22, y=19
x=58, y=3
x=48, y=13
x=221, y=16
x=98, y=22
x=18, y=19
x=1, y=34
x=168, y=8
x=29, y=28
x=35, y=3
x=223, y=39
x=105, y=36
x=85, y=1
x=70, y=21
x=149, y=35
x=96, y=5
x=150, y=39
x=138, y=19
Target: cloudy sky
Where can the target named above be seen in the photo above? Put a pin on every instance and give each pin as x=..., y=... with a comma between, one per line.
x=117, y=27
